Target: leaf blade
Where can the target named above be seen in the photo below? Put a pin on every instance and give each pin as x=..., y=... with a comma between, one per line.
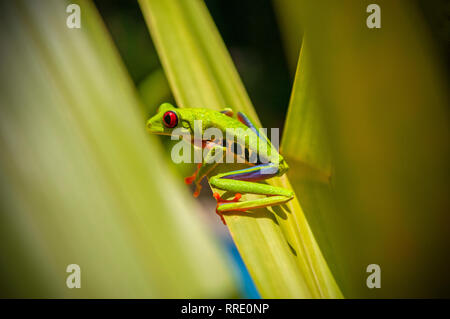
x=83, y=181
x=201, y=64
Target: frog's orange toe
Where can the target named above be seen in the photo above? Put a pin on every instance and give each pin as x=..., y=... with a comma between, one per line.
x=189, y=180
x=197, y=191
x=220, y=200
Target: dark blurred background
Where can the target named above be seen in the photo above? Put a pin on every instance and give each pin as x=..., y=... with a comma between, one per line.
x=250, y=33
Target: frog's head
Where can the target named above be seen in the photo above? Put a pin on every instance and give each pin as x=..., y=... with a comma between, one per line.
x=167, y=119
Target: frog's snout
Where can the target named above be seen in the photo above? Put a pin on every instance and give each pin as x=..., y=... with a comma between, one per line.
x=154, y=126
x=151, y=127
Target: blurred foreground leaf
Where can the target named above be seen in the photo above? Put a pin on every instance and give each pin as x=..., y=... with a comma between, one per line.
x=369, y=121
x=82, y=182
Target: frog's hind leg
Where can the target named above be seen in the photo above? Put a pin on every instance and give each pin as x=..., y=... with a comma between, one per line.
x=244, y=119
x=243, y=181
x=188, y=180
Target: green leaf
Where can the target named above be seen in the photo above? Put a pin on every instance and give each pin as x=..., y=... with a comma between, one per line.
x=368, y=120
x=276, y=244
x=82, y=182
x=305, y=146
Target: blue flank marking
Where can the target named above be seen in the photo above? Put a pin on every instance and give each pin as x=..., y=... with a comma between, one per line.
x=255, y=173
x=251, y=176
x=246, y=121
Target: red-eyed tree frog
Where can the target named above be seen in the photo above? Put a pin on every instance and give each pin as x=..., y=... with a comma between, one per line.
x=264, y=162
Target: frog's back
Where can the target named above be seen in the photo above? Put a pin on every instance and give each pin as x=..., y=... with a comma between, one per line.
x=221, y=121
x=212, y=118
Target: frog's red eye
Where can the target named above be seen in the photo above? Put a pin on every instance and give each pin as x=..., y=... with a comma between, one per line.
x=170, y=119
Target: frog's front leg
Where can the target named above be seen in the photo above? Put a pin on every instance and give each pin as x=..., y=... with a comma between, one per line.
x=209, y=163
x=243, y=181
x=188, y=180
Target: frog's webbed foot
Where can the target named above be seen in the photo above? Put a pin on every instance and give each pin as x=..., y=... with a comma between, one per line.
x=190, y=179
x=244, y=181
x=220, y=201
